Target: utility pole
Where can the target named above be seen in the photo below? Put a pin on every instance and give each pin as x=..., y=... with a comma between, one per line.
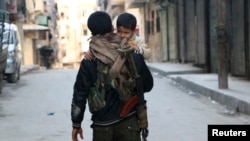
x=222, y=44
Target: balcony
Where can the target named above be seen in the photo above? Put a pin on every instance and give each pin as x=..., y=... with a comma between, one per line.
x=135, y=3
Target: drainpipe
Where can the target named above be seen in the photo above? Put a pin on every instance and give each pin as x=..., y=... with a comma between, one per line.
x=177, y=30
x=164, y=32
x=207, y=37
x=184, y=58
x=145, y=26
x=167, y=30
x=196, y=34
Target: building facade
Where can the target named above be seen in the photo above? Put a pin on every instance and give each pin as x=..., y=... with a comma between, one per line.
x=39, y=28
x=73, y=31
x=184, y=31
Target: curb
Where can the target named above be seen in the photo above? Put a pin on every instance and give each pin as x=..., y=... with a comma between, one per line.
x=30, y=69
x=164, y=73
x=230, y=102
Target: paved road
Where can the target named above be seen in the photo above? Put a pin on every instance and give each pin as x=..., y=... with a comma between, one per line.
x=37, y=108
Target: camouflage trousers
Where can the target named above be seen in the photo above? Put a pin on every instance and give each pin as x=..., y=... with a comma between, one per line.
x=126, y=130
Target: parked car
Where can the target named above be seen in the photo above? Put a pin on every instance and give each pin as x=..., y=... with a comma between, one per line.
x=13, y=66
x=3, y=53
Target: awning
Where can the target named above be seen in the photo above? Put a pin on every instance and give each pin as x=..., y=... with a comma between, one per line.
x=34, y=27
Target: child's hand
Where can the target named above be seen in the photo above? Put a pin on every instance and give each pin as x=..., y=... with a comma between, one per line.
x=88, y=56
x=134, y=45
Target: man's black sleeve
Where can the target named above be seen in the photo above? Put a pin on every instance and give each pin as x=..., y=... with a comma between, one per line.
x=144, y=72
x=81, y=89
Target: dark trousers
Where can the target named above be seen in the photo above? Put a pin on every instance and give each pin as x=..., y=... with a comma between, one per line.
x=126, y=130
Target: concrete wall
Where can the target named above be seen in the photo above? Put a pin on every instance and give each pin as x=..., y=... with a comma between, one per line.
x=161, y=54
x=190, y=31
x=187, y=31
x=201, y=34
x=171, y=23
x=28, y=54
x=157, y=41
x=212, y=36
x=181, y=31
x=238, y=66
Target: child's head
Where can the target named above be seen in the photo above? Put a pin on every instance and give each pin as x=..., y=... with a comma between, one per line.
x=126, y=24
x=100, y=22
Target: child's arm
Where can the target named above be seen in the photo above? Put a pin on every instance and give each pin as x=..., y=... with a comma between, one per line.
x=146, y=52
x=139, y=45
x=133, y=44
x=88, y=55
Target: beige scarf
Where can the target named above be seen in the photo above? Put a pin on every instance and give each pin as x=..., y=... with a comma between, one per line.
x=105, y=48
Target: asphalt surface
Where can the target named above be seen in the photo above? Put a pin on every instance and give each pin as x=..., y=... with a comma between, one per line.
x=235, y=98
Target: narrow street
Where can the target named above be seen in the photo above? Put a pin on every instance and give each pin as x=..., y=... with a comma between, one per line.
x=37, y=108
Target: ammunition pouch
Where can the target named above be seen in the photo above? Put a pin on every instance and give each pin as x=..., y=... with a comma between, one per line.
x=96, y=100
x=126, y=90
x=142, y=116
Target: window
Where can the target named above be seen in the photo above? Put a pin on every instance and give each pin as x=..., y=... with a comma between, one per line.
x=158, y=24
x=148, y=27
x=42, y=34
x=153, y=26
x=152, y=20
x=85, y=32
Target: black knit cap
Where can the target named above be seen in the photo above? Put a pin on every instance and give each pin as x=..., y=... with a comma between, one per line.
x=126, y=20
x=99, y=22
